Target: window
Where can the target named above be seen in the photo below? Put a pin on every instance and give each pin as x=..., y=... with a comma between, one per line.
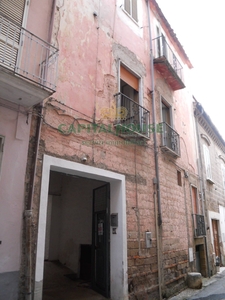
x=1, y=149
x=223, y=176
x=166, y=113
x=179, y=180
x=130, y=6
x=170, y=138
x=194, y=199
x=207, y=163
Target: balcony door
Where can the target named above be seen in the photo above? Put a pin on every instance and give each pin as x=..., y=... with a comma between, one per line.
x=129, y=87
x=11, y=20
x=166, y=114
x=161, y=43
x=169, y=138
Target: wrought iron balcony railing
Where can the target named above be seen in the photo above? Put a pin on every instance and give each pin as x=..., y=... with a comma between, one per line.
x=163, y=54
x=170, y=139
x=132, y=118
x=199, y=225
x=27, y=55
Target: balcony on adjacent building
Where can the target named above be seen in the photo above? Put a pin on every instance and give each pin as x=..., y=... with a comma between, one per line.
x=166, y=62
x=28, y=65
x=199, y=225
x=132, y=120
x=170, y=140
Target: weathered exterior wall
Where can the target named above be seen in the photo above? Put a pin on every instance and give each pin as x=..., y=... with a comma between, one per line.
x=88, y=79
x=90, y=47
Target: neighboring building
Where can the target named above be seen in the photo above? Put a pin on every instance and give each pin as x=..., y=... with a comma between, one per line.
x=211, y=159
x=178, y=172
x=25, y=59
x=111, y=175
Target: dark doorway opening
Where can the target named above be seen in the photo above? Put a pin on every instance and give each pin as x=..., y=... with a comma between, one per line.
x=70, y=219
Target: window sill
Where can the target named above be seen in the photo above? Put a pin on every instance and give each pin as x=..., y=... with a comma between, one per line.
x=210, y=181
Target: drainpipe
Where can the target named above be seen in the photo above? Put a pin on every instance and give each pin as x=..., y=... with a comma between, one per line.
x=158, y=249
x=154, y=119
x=28, y=212
x=200, y=171
x=157, y=183
x=51, y=21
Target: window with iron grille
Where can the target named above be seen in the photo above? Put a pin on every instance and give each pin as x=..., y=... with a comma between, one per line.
x=200, y=221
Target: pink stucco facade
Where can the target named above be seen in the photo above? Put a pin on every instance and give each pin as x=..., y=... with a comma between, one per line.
x=19, y=91
x=15, y=131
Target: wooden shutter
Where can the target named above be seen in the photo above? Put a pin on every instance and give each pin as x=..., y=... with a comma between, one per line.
x=129, y=78
x=11, y=11
x=207, y=162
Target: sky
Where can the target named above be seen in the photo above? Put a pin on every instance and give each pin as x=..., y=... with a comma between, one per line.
x=199, y=26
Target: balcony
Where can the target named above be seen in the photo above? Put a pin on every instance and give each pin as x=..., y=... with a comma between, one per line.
x=132, y=120
x=170, y=140
x=199, y=225
x=166, y=62
x=28, y=65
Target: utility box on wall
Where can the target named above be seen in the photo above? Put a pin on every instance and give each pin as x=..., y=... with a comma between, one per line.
x=114, y=220
x=148, y=239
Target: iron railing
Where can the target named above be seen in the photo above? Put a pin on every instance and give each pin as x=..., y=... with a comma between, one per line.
x=162, y=49
x=27, y=55
x=199, y=225
x=170, y=138
x=131, y=116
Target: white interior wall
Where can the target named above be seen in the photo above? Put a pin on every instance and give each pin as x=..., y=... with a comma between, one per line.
x=71, y=218
x=76, y=221
x=55, y=228
x=77, y=194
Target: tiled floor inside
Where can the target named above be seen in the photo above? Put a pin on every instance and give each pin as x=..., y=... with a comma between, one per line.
x=59, y=287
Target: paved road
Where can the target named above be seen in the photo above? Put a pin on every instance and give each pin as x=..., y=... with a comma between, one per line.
x=215, y=291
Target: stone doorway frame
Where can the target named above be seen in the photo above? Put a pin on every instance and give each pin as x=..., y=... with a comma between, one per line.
x=118, y=244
